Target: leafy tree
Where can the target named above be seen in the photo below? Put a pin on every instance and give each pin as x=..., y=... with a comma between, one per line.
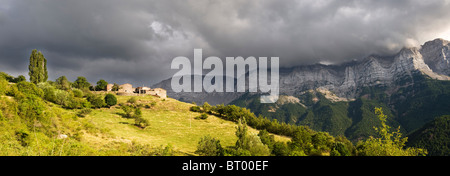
x=266, y=138
x=77, y=93
x=128, y=110
x=388, y=144
x=63, y=98
x=256, y=147
x=38, y=67
x=49, y=91
x=62, y=83
x=20, y=78
x=250, y=143
x=115, y=87
x=96, y=101
x=138, y=120
x=29, y=89
x=302, y=140
x=101, y=85
x=81, y=83
x=31, y=108
x=209, y=146
x=322, y=141
x=241, y=133
x=7, y=77
x=280, y=149
x=110, y=100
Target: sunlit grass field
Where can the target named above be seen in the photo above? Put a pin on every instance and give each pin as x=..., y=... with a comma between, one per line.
x=171, y=122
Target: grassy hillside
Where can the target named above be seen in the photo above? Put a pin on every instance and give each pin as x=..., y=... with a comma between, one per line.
x=54, y=119
x=171, y=122
x=42, y=120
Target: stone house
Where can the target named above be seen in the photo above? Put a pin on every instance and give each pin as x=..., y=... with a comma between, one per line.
x=127, y=89
x=148, y=91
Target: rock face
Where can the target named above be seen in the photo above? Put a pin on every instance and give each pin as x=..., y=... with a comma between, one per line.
x=346, y=80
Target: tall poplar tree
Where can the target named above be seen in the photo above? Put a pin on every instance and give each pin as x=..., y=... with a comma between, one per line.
x=38, y=67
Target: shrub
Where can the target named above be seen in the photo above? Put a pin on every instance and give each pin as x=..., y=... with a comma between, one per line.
x=49, y=91
x=141, y=122
x=390, y=143
x=78, y=93
x=208, y=146
x=83, y=112
x=110, y=100
x=29, y=89
x=138, y=120
x=256, y=147
x=206, y=107
x=96, y=101
x=62, y=98
x=132, y=100
x=151, y=105
x=128, y=110
x=31, y=107
x=195, y=109
x=202, y=116
x=3, y=85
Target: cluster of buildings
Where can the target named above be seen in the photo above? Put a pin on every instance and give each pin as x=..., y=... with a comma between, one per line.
x=128, y=89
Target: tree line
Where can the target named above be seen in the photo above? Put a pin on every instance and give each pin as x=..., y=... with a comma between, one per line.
x=304, y=141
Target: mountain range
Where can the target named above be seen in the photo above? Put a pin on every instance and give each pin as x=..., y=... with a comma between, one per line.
x=412, y=86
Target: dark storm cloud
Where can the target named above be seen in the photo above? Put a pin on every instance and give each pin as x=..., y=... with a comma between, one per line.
x=135, y=41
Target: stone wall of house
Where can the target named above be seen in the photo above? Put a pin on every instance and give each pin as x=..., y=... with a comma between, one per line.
x=126, y=88
x=109, y=87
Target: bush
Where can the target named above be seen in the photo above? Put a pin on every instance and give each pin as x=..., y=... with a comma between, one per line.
x=83, y=112
x=110, y=100
x=138, y=120
x=390, y=143
x=141, y=122
x=202, y=116
x=151, y=105
x=63, y=98
x=29, y=89
x=78, y=93
x=96, y=101
x=206, y=107
x=132, y=100
x=49, y=91
x=208, y=146
x=195, y=109
x=31, y=107
x=3, y=85
x=128, y=110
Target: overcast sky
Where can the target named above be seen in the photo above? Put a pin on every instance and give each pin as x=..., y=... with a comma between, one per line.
x=135, y=40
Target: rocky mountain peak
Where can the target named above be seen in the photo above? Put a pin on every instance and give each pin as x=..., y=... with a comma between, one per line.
x=348, y=79
x=439, y=42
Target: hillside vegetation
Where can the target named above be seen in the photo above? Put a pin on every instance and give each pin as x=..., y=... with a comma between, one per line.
x=32, y=125
x=434, y=136
x=410, y=106
x=62, y=118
